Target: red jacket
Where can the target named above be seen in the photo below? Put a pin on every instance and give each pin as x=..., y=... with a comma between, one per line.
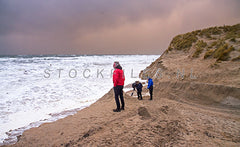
x=118, y=77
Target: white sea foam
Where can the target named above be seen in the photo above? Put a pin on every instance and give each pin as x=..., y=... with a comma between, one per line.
x=42, y=89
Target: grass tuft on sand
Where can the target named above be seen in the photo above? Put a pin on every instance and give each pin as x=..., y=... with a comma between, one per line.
x=200, y=45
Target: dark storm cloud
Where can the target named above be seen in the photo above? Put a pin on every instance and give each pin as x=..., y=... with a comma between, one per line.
x=27, y=16
x=99, y=26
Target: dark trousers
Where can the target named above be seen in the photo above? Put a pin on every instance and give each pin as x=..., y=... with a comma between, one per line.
x=151, y=91
x=139, y=94
x=118, y=90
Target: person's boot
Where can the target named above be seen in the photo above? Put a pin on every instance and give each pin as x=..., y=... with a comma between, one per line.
x=116, y=110
x=150, y=97
x=122, y=108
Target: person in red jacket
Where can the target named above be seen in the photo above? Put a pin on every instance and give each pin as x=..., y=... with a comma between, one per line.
x=118, y=81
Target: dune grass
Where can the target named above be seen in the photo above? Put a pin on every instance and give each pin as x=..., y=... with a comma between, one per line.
x=200, y=45
x=184, y=41
x=232, y=31
x=209, y=53
x=221, y=53
x=218, y=48
x=213, y=44
x=224, y=55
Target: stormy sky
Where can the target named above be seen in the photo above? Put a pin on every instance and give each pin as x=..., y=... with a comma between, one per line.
x=105, y=26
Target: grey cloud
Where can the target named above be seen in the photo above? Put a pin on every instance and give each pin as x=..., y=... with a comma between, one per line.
x=29, y=16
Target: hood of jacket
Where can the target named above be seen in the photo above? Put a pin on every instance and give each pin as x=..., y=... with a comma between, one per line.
x=119, y=67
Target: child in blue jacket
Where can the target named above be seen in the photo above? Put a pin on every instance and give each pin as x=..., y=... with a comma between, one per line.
x=150, y=87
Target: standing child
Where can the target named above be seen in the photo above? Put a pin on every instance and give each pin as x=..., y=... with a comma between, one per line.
x=139, y=89
x=150, y=87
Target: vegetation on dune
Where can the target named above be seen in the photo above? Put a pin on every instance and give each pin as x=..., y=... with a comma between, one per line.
x=209, y=53
x=217, y=42
x=220, y=50
x=210, y=31
x=221, y=53
x=214, y=30
x=183, y=42
x=231, y=35
x=212, y=44
x=231, y=31
x=220, y=43
x=197, y=52
x=169, y=48
x=225, y=54
x=200, y=45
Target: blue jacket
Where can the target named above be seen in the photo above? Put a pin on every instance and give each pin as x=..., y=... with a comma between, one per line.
x=150, y=83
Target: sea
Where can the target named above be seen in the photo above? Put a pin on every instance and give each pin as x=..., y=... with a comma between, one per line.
x=40, y=89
